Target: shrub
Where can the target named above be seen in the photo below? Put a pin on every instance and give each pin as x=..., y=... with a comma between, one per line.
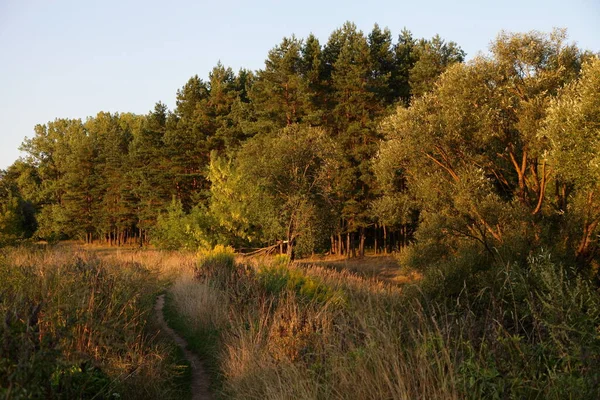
x=277, y=277
x=217, y=265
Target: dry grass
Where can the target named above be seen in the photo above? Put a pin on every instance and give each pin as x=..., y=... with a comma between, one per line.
x=381, y=267
x=93, y=333
x=200, y=304
x=298, y=344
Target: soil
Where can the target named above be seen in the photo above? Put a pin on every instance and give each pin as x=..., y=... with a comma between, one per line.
x=200, y=382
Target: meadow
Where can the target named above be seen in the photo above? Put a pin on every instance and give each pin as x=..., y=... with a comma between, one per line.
x=79, y=324
x=272, y=329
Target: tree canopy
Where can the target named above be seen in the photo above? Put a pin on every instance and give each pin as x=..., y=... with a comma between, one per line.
x=360, y=142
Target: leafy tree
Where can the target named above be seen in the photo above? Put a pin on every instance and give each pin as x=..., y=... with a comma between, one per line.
x=572, y=128
x=176, y=229
x=16, y=215
x=471, y=153
x=278, y=185
x=63, y=154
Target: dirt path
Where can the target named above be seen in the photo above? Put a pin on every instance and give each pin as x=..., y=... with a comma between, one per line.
x=200, y=382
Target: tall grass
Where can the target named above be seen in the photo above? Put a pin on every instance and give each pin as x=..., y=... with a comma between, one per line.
x=532, y=334
x=78, y=326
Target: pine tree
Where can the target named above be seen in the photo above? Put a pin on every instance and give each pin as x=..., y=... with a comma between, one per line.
x=354, y=116
x=434, y=56
x=150, y=175
x=383, y=64
x=405, y=58
x=279, y=94
x=313, y=74
x=185, y=142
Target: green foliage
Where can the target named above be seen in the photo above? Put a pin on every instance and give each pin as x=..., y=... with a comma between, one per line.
x=471, y=157
x=220, y=257
x=274, y=189
x=176, y=229
x=545, y=338
x=278, y=277
x=217, y=264
x=433, y=57
x=11, y=220
x=572, y=129
x=109, y=177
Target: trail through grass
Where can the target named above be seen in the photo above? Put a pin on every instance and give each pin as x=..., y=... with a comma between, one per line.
x=199, y=380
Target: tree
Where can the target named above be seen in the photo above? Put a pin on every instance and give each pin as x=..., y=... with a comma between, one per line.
x=116, y=216
x=433, y=57
x=214, y=113
x=572, y=128
x=312, y=69
x=279, y=94
x=185, y=143
x=471, y=152
x=354, y=116
x=383, y=63
x=405, y=57
x=150, y=174
x=275, y=188
x=16, y=215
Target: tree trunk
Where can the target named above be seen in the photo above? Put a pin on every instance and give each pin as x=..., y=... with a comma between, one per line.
x=385, y=240
x=361, y=248
x=376, y=233
x=348, y=245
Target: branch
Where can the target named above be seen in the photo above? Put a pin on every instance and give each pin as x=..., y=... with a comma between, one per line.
x=543, y=183
x=448, y=169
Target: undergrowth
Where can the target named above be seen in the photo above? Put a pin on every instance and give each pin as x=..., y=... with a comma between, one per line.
x=77, y=326
x=517, y=331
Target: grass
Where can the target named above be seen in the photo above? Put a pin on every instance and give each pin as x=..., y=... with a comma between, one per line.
x=77, y=325
x=202, y=340
x=382, y=267
x=534, y=334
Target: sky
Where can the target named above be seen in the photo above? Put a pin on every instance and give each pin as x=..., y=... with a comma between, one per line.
x=72, y=59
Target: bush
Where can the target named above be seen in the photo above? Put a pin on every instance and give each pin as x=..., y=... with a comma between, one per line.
x=177, y=230
x=278, y=276
x=479, y=331
x=217, y=265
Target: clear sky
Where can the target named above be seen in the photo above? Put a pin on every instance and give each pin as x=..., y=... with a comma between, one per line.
x=61, y=58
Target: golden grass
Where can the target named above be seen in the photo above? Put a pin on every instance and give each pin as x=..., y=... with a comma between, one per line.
x=287, y=346
x=381, y=267
x=200, y=304
x=95, y=310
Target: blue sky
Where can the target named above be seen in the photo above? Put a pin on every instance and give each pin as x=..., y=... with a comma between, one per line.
x=72, y=59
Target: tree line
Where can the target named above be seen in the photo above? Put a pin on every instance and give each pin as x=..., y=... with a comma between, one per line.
x=363, y=142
